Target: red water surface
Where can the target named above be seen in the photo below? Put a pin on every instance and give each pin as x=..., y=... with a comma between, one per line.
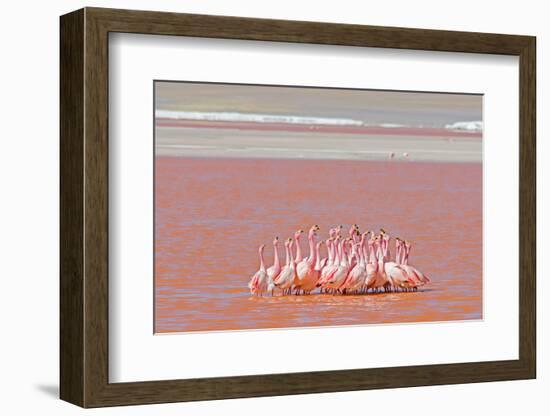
x=212, y=214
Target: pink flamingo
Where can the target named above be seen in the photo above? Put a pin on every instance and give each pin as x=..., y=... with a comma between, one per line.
x=381, y=280
x=330, y=268
x=328, y=263
x=423, y=277
x=342, y=270
x=260, y=283
x=413, y=279
x=310, y=282
x=372, y=264
x=273, y=271
x=285, y=280
x=403, y=249
x=358, y=274
x=305, y=268
x=397, y=276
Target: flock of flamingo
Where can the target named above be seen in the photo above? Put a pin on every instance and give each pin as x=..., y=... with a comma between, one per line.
x=357, y=264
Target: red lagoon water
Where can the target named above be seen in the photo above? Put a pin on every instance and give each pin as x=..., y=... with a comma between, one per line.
x=212, y=214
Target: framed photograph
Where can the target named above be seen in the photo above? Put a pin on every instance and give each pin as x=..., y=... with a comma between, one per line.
x=255, y=207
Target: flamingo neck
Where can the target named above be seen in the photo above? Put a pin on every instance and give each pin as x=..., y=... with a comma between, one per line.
x=287, y=255
x=344, y=260
x=311, y=258
x=262, y=263
x=318, y=261
x=381, y=259
x=329, y=249
x=276, y=261
x=298, y=248
x=337, y=253
x=362, y=252
x=397, y=252
x=407, y=252
x=291, y=255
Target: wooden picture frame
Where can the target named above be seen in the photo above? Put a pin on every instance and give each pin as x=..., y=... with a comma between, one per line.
x=84, y=207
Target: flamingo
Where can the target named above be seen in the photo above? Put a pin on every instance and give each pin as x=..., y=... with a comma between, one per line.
x=353, y=256
x=342, y=270
x=274, y=270
x=260, y=283
x=354, y=264
x=372, y=265
x=285, y=280
x=329, y=261
x=310, y=282
x=329, y=269
x=415, y=275
x=305, y=268
x=381, y=279
x=326, y=261
x=397, y=276
x=358, y=274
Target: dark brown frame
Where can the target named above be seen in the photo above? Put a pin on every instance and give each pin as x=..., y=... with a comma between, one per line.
x=84, y=207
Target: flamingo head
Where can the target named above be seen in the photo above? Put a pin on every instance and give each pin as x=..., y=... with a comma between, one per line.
x=313, y=230
x=287, y=242
x=261, y=248
x=275, y=241
x=298, y=234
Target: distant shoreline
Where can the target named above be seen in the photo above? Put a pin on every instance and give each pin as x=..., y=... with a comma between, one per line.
x=315, y=145
x=319, y=128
